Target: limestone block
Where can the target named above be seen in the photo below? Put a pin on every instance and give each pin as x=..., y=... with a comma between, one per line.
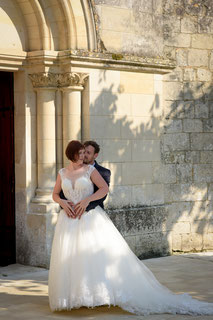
x=182, y=57
x=176, y=142
x=174, y=157
x=202, y=41
x=104, y=81
x=170, y=52
x=205, y=24
x=137, y=220
x=119, y=196
x=136, y=173
x=158, y=85
x=186, y=243
x=204, y=75
x=164, y=173
x=211, y=61
x=194, y=192
x=176, y=242
x=113, y=104
x=171, y=23
x=210, y=109
x=173, y=90
x=178, y=212
x=192, y=125
x=146, y=105
x=157, y=6
x=185, y=192
x=19, y=104
x=169, y=109
x=193, y=90
x=208, y=241
x=175, y=75
x=202, y=141
x=198, y=58
x=185, y=109
x=192, y=157
x=20, y=202
x=178, y=40
x=206, y=157
x=201, y=109
x=184, y=173
x=131, y=242
x=201, y=210
x=105, y=127
x=146, y=150
x=114, y=18
x=148, y=195
x=189, y=74
x=142, y=128
x=196, y=241
x=20, y=174
x=210, y=191
x=172, y=126
x=181, y=227
x=145, y=6
x=36, y=227
x=189, y=24
x=115, y=169
x=203, y=172
x=153, y=244
x=117, y=151
x=172, y=192
x=112, y=40
x=20, y=152
x=200, y=227
x=141, y=83
x=208, y=125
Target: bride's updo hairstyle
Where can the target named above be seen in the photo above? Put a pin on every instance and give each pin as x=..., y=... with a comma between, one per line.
x=72, y=150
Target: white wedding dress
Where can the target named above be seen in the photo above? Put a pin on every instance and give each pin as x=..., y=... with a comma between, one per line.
x=92, y=265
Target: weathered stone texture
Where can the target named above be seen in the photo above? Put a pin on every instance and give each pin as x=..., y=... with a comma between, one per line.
x=176, y=142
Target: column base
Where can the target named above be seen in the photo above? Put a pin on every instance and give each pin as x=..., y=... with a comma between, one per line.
x=43, y=202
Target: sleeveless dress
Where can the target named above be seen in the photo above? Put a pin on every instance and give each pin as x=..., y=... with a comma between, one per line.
x=91, y=264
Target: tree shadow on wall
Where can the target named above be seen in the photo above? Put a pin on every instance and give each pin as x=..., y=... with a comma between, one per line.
x=158, y=191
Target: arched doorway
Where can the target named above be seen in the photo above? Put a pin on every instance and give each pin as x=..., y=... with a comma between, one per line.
x=7, y=185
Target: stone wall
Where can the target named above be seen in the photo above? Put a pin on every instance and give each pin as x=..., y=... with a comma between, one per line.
x=182, y=31
x=188, y=136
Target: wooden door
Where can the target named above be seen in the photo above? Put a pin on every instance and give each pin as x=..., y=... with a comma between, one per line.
x=7, y=172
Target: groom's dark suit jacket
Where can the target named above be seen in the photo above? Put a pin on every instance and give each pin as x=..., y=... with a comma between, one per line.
x=105, y=173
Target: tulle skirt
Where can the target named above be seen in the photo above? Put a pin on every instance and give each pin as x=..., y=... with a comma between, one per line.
x=91, y=265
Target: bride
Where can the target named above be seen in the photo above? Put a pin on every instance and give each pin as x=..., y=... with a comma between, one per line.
x=91, y=264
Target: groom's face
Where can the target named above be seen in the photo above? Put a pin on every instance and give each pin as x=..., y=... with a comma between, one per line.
x=90, y=155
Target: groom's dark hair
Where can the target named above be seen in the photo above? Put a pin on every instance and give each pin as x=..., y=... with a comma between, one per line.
x=93, y=144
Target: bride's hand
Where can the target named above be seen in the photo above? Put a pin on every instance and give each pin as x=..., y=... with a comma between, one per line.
x=80, y=207
x=67, y=205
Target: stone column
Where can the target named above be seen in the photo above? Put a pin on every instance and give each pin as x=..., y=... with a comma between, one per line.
x=45, y=85
x=72, y=85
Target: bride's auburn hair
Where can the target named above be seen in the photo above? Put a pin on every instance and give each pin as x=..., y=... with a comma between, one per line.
x=72, y=150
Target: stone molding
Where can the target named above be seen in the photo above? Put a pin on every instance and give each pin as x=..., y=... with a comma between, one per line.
x=58, y=80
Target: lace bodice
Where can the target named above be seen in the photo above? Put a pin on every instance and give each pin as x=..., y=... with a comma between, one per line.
x=77, y=185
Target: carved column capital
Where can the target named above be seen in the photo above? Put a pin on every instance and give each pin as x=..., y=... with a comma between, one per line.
x=58, y=80
x=72, y=79
x=44, y=79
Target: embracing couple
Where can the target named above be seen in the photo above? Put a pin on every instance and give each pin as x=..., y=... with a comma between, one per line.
x=91, y=264
x=89, y=155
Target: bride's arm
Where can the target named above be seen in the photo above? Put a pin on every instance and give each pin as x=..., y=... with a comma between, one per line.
x=63, y=203
x=103, y=189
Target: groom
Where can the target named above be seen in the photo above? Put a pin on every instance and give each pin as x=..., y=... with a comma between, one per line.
x=91, y=152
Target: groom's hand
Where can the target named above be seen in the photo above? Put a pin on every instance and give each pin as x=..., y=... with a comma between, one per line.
x=68, y=207
x=80, y=207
